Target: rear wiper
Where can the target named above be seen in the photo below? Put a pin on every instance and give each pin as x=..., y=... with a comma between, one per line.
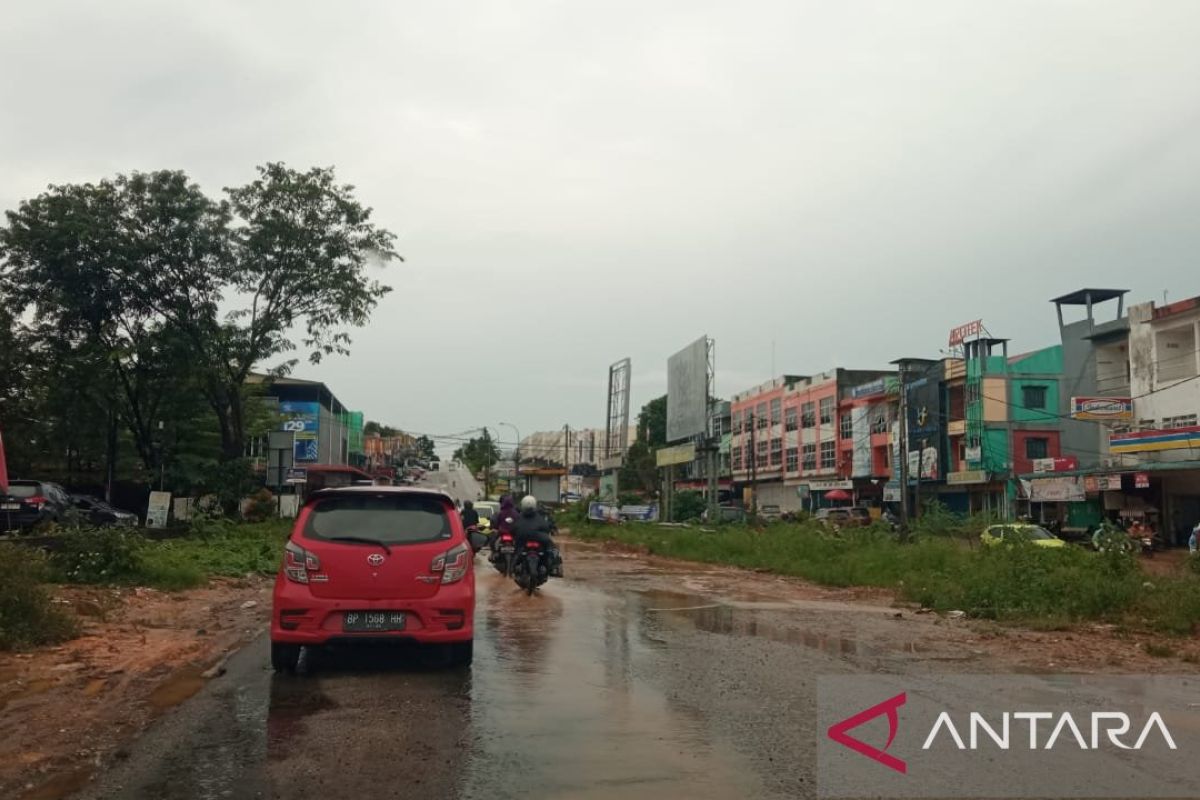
x=360, y=540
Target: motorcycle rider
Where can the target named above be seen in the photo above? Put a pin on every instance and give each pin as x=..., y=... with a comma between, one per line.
x=533, y=525
x=470, y=517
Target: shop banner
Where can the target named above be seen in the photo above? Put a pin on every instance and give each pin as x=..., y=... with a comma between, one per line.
x=610, y=512
x=1056, y=490
x=158, y=510
x=860, y=424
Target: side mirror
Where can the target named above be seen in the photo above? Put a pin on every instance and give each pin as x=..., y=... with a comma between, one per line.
x=478, y=540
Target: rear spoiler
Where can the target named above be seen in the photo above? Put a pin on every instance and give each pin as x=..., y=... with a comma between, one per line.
x=338, y=491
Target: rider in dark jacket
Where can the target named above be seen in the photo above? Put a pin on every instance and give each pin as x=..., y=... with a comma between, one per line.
x=470, y=517
x=533, y=525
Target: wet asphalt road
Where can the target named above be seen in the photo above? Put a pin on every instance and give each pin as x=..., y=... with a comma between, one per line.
x=590, y=689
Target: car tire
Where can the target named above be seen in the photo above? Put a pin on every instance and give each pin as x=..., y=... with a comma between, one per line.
x=285, y=657
x=462, y=653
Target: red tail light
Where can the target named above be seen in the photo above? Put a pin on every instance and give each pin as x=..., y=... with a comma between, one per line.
x=506, y=537
x=452, y=564
x=36, y=500
x=298, y=562
x=533, y=545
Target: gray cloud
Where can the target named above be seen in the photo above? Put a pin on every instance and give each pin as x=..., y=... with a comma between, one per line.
x=577, y=182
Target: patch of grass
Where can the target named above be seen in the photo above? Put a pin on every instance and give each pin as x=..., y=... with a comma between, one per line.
x=1158, y=650
x=1049, y=588
x=214, y=548
x=27, y=615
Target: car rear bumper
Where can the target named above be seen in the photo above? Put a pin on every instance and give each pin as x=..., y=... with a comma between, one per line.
x=18, y=520
x=298, y=617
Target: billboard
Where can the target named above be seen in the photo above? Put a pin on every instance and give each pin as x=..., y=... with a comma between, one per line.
x=860, y=425
x=616, y=431
x=1102, y=408
x=687, y=391
x=970, y=330
x=303, y=419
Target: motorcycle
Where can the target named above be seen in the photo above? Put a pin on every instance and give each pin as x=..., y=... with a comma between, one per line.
x=504, y=552
x=530, y=569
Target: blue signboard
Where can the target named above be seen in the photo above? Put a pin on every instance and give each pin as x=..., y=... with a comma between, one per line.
x=304, y=420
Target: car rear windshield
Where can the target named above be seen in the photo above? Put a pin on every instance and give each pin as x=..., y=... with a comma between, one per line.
x=16, y=489
x=389, y=518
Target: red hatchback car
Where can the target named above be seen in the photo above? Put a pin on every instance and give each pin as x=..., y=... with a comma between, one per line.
x=375, y=563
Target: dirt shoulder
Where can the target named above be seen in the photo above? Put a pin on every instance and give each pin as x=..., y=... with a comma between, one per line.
x=873, y=619
x=65, y=710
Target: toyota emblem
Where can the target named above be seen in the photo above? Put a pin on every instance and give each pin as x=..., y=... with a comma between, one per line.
x=375, y=560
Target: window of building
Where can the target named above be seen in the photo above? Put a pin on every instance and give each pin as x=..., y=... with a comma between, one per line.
x=1033, y=397
x=718, y=426
x=810, y=457
x=760, y=457
x=761, y=413
x=793, y=459
x=735, y=421
x=1145, y=424
x=735, y=454
x=847, y=425
x=828, y=455
x=776, y=411
x=826, y=410
x=776, y=452
x=808, y=415
x=1184, y=421
x=1037, y=448
x=879, y=419
x=789, y=418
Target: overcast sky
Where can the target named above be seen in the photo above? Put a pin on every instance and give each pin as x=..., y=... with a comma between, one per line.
x=575, y=182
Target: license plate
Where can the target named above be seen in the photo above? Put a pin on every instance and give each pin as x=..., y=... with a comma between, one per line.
x=10, y=506
x=364, y=621
x=508, y=548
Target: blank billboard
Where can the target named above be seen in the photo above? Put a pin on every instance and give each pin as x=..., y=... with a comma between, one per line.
x=687, y=391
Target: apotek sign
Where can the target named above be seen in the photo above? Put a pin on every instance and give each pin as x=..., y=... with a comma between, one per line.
x=963, y=332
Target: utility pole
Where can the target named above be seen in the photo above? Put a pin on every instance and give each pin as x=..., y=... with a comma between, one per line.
x=903, y=445
x=753, y=469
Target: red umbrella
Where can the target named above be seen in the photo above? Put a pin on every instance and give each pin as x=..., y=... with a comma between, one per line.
x=837, y=494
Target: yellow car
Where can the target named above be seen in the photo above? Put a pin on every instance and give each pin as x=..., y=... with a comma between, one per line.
x=1035, y=534
x=486, y=509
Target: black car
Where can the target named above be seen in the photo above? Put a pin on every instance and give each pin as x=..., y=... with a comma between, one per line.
x=95, y=511
x=28, y=504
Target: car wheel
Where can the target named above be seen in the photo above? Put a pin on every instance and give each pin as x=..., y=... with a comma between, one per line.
x=285, y=657
x=462, y=653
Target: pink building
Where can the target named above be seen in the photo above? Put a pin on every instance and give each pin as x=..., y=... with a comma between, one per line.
x=798, y=434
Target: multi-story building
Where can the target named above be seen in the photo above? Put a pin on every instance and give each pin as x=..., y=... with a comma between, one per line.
x=326, y=432
x=790, y=441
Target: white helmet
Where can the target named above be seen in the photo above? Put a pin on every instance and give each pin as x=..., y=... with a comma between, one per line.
x=529, y=503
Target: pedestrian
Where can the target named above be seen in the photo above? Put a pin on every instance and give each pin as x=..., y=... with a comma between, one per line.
x=1194, y=541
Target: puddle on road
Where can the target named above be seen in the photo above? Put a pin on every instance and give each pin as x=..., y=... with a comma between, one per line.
x=559, y=707
x=736, y=617
x=177, y=688
x=60, y=786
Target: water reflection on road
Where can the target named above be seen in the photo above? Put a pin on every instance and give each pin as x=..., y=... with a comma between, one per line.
x=558, y=708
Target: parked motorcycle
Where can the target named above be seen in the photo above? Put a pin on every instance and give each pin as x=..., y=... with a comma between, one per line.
x=504, y=552
x=530, y=569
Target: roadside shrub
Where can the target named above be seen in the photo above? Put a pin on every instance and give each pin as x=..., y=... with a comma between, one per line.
x=97, y=555
x=1193, y=563
x=688, y=506
x=27, y=615
x=262, y=506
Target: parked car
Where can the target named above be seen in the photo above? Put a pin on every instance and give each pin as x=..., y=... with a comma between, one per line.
x=28, y=504
x=859, y=516
x=97, y=512
x=835, y=518
x=996, y=534
x=728, y=513
x=486, y=510
x=771, y=513
x=376, y=563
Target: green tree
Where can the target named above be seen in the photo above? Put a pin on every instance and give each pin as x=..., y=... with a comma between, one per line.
x=479, y=453
x=425, y=447
x=652, y=422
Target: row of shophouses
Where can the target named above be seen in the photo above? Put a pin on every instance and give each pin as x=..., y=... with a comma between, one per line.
x=1101, y=424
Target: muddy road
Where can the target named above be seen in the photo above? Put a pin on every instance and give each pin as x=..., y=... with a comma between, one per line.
x=632, y=678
